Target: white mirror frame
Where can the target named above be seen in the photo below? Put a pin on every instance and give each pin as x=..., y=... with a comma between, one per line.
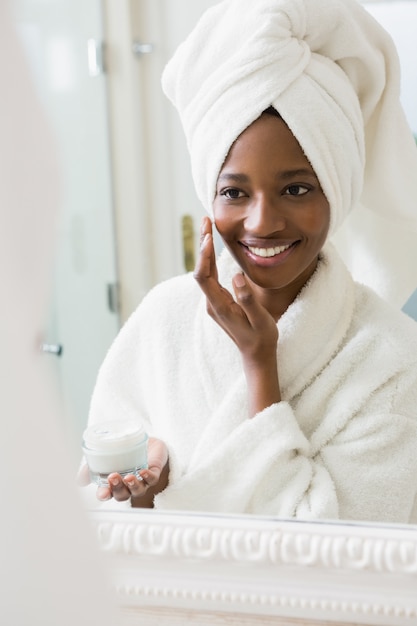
x=183, y=568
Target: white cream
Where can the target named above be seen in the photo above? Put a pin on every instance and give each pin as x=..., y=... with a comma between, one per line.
x=117, y=446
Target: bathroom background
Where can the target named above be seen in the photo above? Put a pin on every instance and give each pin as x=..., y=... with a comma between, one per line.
x=129, y=217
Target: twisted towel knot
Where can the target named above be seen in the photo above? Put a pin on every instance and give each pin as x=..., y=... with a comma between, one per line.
x=269, y=57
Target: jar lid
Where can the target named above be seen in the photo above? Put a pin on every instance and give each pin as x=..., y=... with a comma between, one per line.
x=112, y=435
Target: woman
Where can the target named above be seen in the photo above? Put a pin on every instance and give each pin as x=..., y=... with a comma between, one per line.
x=273, y=383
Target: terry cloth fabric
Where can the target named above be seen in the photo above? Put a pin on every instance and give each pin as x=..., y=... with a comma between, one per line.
x=333, y=74
x=341, y=444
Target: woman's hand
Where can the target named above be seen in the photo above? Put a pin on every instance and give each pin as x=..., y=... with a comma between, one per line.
x=141, y=490
x=245, y=320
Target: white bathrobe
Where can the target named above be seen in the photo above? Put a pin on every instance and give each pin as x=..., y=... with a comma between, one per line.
x=342, y=444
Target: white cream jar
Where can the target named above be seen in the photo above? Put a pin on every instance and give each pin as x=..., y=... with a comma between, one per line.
x=116, y=446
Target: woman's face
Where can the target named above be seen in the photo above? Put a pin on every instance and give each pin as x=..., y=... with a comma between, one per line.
x=270, y=209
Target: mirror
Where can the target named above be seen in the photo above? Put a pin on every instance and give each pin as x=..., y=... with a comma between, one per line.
x=180, y=568
x=84, y=84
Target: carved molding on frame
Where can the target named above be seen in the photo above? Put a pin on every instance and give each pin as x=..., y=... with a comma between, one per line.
x=361, y=574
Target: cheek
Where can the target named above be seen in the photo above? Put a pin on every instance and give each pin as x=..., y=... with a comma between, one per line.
x=317, y=221
x=223, y=219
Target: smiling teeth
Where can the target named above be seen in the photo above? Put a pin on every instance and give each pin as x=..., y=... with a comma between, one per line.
x=268, y=252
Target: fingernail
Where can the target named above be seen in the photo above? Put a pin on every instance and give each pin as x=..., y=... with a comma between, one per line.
x=205, y=239
x=130, y=482
x=114, y=482
x=240, y=280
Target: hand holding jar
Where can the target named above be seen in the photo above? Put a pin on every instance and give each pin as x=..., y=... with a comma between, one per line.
x=124, y=462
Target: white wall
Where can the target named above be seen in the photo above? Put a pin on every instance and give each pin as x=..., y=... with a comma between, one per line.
x=399, y=18
x=153, y=184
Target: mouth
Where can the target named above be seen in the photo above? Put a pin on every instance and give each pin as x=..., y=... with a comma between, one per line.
x=267, y=253
x=268, y=256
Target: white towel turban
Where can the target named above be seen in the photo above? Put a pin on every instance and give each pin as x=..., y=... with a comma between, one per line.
x=332, y=72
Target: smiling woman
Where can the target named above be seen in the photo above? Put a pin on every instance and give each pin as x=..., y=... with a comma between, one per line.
x=287, y=404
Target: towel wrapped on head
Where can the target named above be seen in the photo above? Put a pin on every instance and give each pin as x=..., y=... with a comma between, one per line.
x=332, y=72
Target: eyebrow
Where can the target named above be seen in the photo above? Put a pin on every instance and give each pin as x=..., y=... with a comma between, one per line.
x=237, y=178
x=298, y=172
x=286, y=175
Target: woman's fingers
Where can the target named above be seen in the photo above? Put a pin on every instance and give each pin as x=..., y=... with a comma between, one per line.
x=136, y=486
x=242, y=318
x=150, y=476
x=157, y=458
x=255, y=313
x=206, y=227
x=219, y=300
x=206, y=268
x=242, y=291
x=203, y=270
x=83, y=476
x=103, y=493
x=122, y=488
x=220, y=303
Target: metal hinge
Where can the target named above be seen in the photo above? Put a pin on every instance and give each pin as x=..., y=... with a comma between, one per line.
x=52, y=348
x=113, y=297
x=139, y=49
x=95, y=53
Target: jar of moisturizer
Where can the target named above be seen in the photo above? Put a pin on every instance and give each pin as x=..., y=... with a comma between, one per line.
x=116, y=446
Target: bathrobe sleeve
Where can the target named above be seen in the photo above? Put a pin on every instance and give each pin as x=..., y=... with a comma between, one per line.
x=263, y=466
x=366, y=471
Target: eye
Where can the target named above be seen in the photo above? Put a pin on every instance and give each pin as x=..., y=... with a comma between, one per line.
x=296, y=190
x=231, y=193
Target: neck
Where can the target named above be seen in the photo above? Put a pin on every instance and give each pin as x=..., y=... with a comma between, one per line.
x=276, y=301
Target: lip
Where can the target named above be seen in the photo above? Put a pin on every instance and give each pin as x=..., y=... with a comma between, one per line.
x=272, y=261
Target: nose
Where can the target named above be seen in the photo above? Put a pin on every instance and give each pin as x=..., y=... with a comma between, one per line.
x=265, y=216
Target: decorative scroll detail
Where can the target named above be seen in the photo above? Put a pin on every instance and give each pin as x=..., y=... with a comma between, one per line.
x=269, y=569
x=323, y=546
